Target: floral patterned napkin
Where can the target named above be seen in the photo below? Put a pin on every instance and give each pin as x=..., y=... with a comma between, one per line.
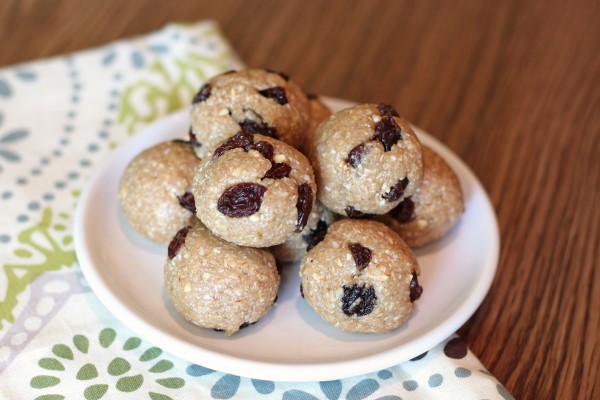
x=59, y=118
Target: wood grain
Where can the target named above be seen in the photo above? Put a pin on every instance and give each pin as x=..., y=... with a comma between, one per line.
x=513, y=87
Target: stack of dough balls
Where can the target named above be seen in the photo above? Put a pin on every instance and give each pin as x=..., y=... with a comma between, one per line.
x=268, y=174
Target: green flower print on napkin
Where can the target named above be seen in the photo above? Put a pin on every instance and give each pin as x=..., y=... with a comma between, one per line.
x=47, y=239
x=115, y=370
x=166, y=89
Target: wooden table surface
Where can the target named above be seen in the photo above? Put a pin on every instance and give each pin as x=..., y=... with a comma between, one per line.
x=513, y=87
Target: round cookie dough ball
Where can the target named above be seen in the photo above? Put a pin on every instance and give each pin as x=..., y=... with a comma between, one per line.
x=216, y=284
x=361, y=277
x=319, y=112
x=256, y=101
x=254, y=190
x=366, y=160
x=155, y=190
x=297, y=245
x=435, y=207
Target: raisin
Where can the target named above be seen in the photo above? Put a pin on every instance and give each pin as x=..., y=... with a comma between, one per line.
x=278, y=171
x=304, y=205
x=387, y=132
x=358, y=300
x=355, y=156
x=180, y=141
x=241, y=139
x=265, y=148
x=203, y=94
x=281, y=74
x=396, y=191
x=178, y=241
x=354, y=213
x=416, y=290
x=361, y=254
x=187, y=201
x=316, y=235
x=404, y=211
x=420, y=356
x=194, y=139
x=245, y=140
x=276, y=93
x=241, y=200
x=246, y=324
x=387, y=111
x=263, y=128
x=301, y=291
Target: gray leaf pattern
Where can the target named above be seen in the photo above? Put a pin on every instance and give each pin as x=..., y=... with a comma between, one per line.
x=5, y=90
x=9, y=155
x=14, y=136
x=25, y=75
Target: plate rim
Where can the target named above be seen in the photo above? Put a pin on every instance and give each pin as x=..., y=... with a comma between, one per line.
x=290, y=372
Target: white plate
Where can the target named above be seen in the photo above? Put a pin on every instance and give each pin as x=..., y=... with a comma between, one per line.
x=291, y=343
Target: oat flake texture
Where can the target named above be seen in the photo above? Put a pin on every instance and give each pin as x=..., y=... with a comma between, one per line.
x=355, y=289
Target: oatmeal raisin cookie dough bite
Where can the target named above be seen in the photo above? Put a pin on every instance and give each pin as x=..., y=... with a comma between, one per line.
x=361, y=277
x=155, y=190
x=254, y=100
x=216, y=284
x=366, y=160
x=433, y=209
x=254, y=190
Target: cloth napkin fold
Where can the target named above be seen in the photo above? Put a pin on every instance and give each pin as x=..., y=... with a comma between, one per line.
x=59, y=118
